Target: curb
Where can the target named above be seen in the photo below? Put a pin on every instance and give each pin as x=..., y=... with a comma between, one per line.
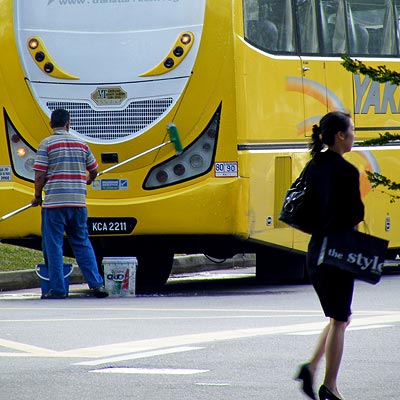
x=27, y=279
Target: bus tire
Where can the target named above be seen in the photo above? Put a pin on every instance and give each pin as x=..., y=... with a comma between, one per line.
x=153, y=272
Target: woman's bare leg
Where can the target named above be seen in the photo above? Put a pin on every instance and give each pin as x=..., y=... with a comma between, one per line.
x=333, y=353
x=319, y=351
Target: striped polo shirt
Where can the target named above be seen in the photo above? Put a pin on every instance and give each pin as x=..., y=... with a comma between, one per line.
x=65, y=159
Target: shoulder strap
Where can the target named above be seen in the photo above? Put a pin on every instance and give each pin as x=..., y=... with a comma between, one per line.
x=303, y=173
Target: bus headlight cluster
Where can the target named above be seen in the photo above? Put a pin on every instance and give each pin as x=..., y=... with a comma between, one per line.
x=197, y=159
x=179, y=50
x=39, y=55
x=43, y=60
x=175, y=56
x=22, y=155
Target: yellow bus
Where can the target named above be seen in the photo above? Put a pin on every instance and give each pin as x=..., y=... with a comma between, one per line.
x=243, y=81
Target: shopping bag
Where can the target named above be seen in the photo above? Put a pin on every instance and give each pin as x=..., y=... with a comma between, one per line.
x=359, y=253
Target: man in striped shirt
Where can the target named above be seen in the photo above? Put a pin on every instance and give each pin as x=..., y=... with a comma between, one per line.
x=60, y=169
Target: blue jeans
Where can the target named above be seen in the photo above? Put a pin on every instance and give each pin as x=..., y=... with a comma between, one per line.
x=72, y=221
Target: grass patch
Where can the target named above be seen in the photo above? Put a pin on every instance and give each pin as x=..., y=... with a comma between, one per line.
x=15, y=258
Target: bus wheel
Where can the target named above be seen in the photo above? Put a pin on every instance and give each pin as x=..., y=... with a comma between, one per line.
x=277, y=266
x=153, y=272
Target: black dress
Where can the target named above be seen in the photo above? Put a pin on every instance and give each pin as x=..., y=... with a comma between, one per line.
x=335, y=186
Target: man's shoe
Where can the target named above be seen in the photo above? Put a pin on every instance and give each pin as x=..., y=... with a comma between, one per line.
x=100, y=292
x=51, y=295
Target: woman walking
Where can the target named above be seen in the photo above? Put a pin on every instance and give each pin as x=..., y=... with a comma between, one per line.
x=335, y=188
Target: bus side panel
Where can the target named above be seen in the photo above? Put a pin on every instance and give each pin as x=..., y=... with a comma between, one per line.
x=268, y=108
x=266, y=196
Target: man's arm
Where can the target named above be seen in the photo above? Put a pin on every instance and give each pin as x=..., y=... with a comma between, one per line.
x=92, y=176
x=40, y=180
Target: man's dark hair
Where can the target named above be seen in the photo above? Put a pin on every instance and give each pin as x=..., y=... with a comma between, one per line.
x=59, y=118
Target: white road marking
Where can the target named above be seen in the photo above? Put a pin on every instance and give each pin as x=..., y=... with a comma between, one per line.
x=209, y=337
x=118, y=349
x=19, y=296
x=359, y=328
x=150, y=371
x=295, y=312
x=139, y=355
x=168, y=318
x=212, y=384
x=26, y=348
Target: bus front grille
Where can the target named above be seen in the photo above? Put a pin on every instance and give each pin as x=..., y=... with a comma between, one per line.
x=113, y=125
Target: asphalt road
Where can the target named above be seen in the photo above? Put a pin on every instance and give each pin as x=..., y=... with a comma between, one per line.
x=199, y=339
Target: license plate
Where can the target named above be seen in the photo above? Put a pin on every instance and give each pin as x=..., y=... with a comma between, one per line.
x=111, y=226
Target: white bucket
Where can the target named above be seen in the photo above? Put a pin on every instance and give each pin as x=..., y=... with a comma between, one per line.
x=120, y=276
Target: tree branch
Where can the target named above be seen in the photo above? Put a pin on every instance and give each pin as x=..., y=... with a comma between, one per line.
x=380, y=74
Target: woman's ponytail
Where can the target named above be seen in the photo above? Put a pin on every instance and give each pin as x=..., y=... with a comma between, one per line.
x=316, y=144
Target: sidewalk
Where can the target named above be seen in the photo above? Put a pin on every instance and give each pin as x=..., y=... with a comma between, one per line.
x=27, y=279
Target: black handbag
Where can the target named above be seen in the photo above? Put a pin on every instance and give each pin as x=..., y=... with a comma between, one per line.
x=297, y=209
x=358, y=253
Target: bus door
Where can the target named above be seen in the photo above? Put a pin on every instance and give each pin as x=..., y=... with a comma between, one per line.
x=341, y=33
x=313, y=65
x=327, y=30
x=315, y=100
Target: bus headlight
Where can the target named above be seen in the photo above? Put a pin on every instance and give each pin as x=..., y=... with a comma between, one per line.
x=33, y=43
x=21, y=152
x=22, y=155
x=186, y=38
x=197, y=159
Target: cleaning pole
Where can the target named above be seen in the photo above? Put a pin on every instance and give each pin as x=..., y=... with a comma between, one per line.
x=174, y=139
x=11, y=214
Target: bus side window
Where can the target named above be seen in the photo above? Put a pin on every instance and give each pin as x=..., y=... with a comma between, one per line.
x=269, y=35
x=375, y=41
x=262, y=34
x=358, y=40
x=281, y=14
x=374, y=28
x=306, y=12
x=390, y=30
x=269, y=25
x=342, y=22
x=341, y=33
x=251, y=16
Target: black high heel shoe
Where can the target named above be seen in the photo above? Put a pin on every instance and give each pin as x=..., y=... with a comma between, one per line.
x=325, y=394
x=305, y=376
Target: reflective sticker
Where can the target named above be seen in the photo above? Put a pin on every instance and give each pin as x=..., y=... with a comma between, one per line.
x=226, y=169
x=5, y=173
x=110, y=184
